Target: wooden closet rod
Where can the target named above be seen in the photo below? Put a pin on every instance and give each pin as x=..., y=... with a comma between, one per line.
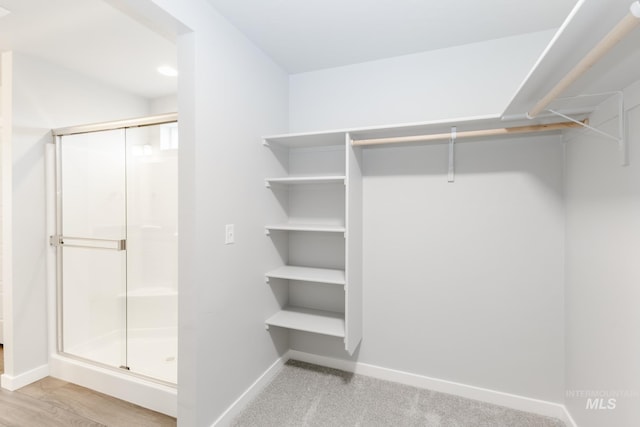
x=624, y=27
x=469, y=134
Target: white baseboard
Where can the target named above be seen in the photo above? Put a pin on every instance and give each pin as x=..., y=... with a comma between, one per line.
x=241, y=402
x=12, y=383
x=508, y=400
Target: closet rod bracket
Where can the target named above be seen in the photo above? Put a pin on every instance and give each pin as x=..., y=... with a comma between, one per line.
x=621, y=139
x=452, y=140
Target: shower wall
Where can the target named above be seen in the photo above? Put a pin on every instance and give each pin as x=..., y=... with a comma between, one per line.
x=152, y=233
x=152, y=194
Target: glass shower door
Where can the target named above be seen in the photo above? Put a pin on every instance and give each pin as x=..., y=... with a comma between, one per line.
x=152, y=251
x=92, y=246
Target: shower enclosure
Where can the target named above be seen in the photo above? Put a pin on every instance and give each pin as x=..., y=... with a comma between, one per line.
x=116, y=245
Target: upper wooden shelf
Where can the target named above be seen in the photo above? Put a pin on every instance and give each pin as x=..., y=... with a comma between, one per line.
x=588, y=23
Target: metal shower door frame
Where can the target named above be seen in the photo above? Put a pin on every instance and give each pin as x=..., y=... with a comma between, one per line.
x=58, y=240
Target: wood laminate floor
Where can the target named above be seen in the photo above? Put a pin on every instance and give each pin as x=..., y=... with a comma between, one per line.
x=52, y=402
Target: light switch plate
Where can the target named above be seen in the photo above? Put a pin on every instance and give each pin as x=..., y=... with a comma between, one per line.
x=229, y=234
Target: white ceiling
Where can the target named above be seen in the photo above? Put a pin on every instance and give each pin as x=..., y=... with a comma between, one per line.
x=305, y=35
x=93, y=38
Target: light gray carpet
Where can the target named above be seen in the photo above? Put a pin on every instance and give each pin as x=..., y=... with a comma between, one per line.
x=309, y=395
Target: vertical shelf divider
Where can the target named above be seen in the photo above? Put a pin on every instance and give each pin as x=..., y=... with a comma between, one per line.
x=353, y=246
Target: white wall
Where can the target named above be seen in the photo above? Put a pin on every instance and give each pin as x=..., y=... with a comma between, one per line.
x=45, y=96
x=603, y=273
x=463, y=81
x=464, y=281
x=229, y=94
x=164, y=104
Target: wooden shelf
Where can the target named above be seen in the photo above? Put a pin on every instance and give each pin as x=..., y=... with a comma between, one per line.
x=309, y=320
x=307, y=227
x=308, y=274
x=294, y=180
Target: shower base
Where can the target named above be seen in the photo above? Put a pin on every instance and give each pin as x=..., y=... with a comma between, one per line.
x=150, y=352
x=149, y=394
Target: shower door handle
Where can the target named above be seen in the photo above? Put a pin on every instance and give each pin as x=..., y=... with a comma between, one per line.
x=88, y=242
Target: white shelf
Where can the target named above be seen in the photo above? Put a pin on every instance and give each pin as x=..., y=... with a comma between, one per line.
x=329, y=138
x=308, y=274
x=337, y=136
x=300, y=140
x=309, y=320
x=307, y=180
x=588, y=23
x=307, y=227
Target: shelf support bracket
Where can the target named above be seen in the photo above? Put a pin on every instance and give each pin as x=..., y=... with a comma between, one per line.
x=452, y=140
x=620, y=138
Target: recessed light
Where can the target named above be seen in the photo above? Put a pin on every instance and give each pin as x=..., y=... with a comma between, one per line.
x=168, y=71
x=4, y=12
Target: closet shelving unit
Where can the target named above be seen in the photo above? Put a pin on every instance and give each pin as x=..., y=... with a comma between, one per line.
x=334, y=158
x=318, y=234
